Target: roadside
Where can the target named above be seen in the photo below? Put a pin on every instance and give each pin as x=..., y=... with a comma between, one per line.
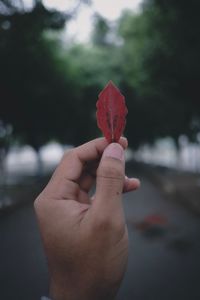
x=17, y=194
x=164, y=244
x=178, y=186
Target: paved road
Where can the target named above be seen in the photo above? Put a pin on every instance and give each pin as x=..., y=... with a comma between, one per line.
x=164, y=260
x=23, y=273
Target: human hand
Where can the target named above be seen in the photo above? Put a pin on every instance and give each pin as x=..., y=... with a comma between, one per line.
x=85, y=239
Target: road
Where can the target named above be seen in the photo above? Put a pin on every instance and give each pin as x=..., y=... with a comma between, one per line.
x=164, y=252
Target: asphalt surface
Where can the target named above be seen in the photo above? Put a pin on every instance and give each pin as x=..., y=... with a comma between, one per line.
x=164, y=254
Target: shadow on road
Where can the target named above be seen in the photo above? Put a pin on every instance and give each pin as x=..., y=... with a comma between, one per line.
x=164, y=237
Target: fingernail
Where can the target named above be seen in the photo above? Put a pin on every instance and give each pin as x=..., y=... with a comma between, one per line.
x=125, y=141
x=136, y=180
x=114, y=150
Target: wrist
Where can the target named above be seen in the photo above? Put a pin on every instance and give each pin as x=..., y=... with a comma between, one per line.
x=63, y=290
x=60, y=290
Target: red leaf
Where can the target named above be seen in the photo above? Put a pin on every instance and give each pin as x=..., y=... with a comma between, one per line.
x=111, y=112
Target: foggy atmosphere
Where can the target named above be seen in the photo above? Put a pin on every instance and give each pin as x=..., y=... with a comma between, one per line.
x=56, y=57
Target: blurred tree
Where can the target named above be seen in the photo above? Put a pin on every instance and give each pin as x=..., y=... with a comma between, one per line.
x=100, y=34
x=94, y=64
x=161, y=46
x=48, y=91
x=5, y=136
x=37, y=85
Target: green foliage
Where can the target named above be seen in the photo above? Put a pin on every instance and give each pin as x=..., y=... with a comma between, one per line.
x=93, y=67
x=49, y=91
x=32, y=80
x=100, y=35
x=162, y=47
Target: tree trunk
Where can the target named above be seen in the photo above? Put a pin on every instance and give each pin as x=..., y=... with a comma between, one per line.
x=2, y=166
x=40, y=166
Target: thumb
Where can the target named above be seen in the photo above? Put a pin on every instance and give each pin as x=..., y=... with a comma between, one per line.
x=110, y=182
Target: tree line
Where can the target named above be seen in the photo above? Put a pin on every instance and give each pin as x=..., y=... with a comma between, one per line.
x=48, y=89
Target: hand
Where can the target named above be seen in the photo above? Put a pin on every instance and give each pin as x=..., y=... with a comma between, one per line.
x=85, y=239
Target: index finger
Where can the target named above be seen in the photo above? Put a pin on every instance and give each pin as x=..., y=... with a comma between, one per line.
x=72, y=163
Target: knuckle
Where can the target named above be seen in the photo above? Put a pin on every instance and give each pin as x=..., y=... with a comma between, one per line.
x=110, y=169
x=37, y=202
x=68, y=187
x=68, y=154
x=101, y=222
x=107, y=224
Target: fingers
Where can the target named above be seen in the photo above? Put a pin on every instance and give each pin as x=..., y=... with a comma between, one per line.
x=131, y=184
x=71, y=166
x=74, y=162
x=88, y=176
x=109, y=183
x=87, y=181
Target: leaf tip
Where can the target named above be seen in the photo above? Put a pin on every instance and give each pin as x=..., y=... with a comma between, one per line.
x=111, y=112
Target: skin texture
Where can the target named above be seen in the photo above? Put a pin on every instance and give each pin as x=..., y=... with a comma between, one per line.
x=85, y=238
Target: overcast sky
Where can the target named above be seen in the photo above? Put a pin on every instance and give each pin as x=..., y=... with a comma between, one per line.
x=81, y=26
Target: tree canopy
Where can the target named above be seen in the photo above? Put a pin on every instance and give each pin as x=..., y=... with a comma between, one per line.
x=49, y=89
x=162, y=47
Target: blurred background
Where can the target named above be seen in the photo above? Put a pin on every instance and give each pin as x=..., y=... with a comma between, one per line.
x=55, y=58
